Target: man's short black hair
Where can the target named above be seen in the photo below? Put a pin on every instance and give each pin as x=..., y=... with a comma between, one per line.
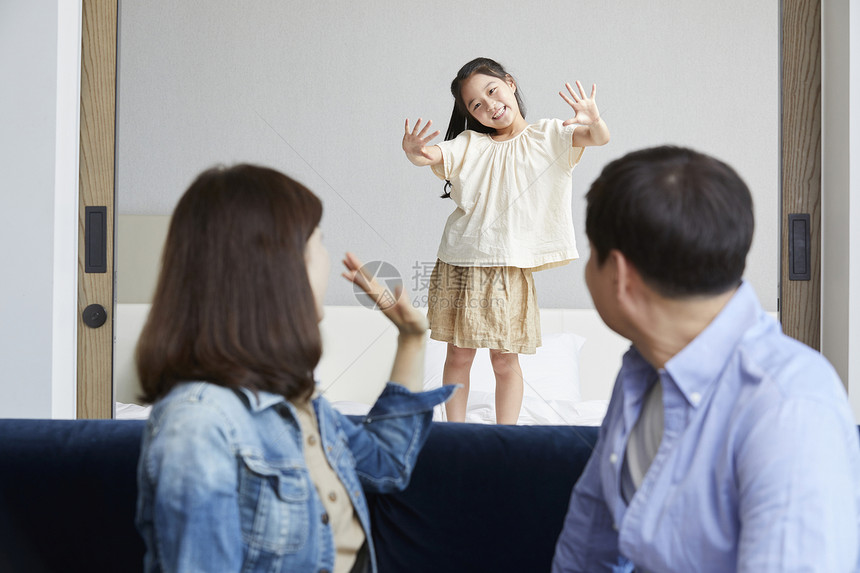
x=682, y=218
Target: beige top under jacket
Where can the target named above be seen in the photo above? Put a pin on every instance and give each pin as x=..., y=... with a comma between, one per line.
x=346, y=529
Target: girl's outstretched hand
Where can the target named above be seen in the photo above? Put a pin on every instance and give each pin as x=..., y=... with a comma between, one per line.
x=415, y=144
x=584, y=106
x=396, y=306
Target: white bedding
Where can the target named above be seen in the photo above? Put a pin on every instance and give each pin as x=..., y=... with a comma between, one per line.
x=568, y=381
x=131, y=411
x=551, y=385
x=551, y=395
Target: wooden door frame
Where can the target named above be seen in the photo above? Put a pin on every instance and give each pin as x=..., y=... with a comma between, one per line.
x=97, y=188
x=800, y=162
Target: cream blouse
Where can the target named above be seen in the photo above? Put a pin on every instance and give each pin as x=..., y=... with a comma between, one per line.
x=513, y=198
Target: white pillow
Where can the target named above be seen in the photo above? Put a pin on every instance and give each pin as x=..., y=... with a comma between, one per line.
x=551, y=381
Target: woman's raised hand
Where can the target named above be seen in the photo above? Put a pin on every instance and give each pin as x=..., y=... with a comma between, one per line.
x=396, y=306
x=415, y=143
x=584, y=106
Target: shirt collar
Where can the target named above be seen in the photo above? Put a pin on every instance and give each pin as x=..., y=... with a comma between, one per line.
x=636, y=376
x=700, y=363
x=262, y=399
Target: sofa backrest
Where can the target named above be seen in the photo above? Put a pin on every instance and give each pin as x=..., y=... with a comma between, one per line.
x=67, y=495
x=482, y=498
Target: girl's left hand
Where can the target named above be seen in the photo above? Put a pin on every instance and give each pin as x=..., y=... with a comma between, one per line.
x=585, y=107
x=396, y=306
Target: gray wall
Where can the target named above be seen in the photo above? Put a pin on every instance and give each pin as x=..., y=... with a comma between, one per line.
x=37, y=338
x=320, y=90
x=840, y=262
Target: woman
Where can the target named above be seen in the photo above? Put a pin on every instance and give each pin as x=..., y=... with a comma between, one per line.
x=243, y=466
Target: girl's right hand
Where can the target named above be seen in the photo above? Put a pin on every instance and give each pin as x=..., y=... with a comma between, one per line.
x=415, y=144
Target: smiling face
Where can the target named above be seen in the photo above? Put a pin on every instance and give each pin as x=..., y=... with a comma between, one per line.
x=491, y=101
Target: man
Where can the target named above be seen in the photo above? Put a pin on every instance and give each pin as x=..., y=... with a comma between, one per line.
x=727, y=446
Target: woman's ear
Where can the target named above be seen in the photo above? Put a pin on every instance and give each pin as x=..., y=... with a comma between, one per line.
x=509, y=79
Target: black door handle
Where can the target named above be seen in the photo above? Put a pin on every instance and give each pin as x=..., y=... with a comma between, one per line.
x=95, y=315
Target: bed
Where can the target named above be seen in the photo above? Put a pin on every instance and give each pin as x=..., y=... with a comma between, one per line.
x=568, y=381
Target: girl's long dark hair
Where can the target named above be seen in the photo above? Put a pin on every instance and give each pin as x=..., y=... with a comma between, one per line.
x=461, y=119
x=233, y=304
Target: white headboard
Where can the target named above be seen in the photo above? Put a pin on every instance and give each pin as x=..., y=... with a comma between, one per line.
x=359, y=344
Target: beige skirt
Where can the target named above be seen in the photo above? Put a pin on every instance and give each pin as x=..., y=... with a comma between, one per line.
x=484, y=307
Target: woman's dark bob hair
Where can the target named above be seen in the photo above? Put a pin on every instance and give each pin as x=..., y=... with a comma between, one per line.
x=233, y=304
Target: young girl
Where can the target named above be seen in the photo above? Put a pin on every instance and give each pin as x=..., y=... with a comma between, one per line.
x=243, y=466
x=511, y=182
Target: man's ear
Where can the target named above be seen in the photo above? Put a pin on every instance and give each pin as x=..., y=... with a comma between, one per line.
x=627, y=279
x=617, y=264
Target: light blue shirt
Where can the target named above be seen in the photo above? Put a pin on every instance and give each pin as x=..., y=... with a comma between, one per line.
x=758, y=469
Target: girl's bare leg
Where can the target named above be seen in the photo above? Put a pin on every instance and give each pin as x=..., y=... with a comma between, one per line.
x=509, y=386
x=458, y=365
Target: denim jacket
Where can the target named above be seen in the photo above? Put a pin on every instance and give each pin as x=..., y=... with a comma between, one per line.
x=223, y=486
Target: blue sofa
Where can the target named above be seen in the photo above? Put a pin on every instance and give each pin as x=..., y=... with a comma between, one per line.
x=481, y=498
